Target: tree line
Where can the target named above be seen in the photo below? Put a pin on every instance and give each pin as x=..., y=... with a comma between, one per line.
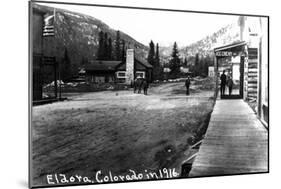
x=116, y=50
x=201, y=65
x=109, y=49
x=154, y=59
x=198, y=65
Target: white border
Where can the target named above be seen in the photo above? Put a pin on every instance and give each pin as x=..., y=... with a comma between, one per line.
x=14, y=93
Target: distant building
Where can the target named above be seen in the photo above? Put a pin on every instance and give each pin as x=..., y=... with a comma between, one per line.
x=184, y=69
x=211, y=71
x=100, y=71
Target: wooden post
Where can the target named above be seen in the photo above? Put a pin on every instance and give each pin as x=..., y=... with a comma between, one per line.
x=259, y=101
x=59, y=82
x=216, y=75
x=55, y=84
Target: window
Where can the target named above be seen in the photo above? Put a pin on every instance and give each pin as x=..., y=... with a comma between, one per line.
x=121, y=74
x=141, y=74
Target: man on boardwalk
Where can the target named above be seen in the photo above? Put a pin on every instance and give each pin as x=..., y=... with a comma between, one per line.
x=223, y=82
x=230, y=84
x=187, y=84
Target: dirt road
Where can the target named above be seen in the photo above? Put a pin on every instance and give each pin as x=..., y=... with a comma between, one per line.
x=117, y=131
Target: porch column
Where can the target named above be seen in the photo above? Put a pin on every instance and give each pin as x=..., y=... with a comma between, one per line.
x=216, y=75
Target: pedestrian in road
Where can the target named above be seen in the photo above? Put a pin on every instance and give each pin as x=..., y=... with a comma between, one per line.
x=135, y=84
x=140, y=84
x=230, y=84
x=187, y=84
x=145, y=86
x=223, y=82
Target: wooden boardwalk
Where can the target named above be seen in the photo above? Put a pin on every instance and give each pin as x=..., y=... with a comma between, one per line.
x=235, y=142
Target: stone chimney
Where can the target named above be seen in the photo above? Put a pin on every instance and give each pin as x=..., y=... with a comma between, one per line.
x=129, y=66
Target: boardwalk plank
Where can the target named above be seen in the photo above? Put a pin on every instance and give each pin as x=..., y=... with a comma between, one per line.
x=235, y=143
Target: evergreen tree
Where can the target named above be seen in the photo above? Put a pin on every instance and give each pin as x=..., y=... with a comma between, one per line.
x=157, y=58
x=123, y=50
x=151, y=53
x=196, y=65
x=185, y=62
x=175, y=62
x=151, y=57
x=117, y=46
x=157, y=69
x=201, y=66
x=101, y=46
x=105, y=47
x=65, y=69
x=109, y=49
x=83, y=61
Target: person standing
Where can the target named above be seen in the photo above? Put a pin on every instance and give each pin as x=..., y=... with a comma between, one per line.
x=136, y=84
x=223, y=82
x=140, y=84
x=230, y=84
x=187, y=85
x=145, y=86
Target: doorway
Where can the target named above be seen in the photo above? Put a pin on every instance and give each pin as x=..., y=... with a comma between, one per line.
x=230, y=62
x=233, y=69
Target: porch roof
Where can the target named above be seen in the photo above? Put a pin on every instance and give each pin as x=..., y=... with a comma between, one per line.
x=102, y=65
x=229, y=46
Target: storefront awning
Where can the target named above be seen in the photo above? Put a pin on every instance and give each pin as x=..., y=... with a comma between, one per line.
x=230, y=46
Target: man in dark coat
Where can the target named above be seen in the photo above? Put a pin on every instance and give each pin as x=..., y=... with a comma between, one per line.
x=135, y=85
x=145, y=86
x=230, y=84
x=223, y=82
x=140, y=84
x=187, y=84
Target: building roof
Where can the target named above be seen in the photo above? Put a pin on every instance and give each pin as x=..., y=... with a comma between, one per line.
x=143, y=61
x=110, y=65
x=102, y=65
x=229, y=46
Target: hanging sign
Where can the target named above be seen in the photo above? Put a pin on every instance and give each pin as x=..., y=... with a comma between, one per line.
x=224, y=53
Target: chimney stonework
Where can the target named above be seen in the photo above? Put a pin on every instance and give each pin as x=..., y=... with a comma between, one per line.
x=130, y=66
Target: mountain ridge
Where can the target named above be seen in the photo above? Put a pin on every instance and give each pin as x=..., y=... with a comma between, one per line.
x=79, y=34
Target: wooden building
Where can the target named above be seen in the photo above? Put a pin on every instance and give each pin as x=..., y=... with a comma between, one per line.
x=37, y=53
x=43, y=64
x=99, y=71
x=246, y=62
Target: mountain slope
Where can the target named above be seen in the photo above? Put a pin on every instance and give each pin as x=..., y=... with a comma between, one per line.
x=226, y=35
x=79, y=34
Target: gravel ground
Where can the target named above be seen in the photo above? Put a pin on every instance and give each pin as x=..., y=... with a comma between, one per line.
x=117, y=131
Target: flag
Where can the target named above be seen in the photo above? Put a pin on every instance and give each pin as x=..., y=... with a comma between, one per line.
x=49, y=28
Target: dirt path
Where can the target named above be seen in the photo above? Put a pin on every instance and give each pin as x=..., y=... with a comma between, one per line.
x=117, y=131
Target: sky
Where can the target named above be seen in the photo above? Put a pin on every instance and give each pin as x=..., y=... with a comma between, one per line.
x=162, y=27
